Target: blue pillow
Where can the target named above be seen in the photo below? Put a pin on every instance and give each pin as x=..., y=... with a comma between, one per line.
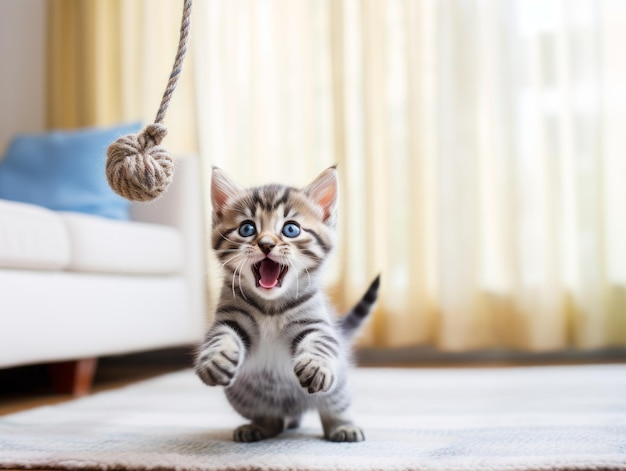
x=64, y=171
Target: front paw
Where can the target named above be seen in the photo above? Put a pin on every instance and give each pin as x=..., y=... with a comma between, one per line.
x=218, y=367
x=315, y=374
x=346, y=433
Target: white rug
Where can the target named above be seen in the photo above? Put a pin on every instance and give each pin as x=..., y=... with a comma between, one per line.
x=562, y=418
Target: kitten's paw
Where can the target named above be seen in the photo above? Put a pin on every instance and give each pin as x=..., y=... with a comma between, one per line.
x=218, y=366
x=315, y=374
x=346, y=433
x=255, y=431
x=249, y=433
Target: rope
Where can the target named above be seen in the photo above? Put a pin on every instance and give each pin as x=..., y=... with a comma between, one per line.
x=138, y=167
x=178, y=61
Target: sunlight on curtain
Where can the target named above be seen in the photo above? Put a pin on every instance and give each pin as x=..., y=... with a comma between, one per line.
x=479, y=147
x=80, y=47
x=479, y=142
x=264, y=88
x=109, y=62
x=527, y=120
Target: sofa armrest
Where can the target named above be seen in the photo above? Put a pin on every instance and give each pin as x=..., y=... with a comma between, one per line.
x=181, y=206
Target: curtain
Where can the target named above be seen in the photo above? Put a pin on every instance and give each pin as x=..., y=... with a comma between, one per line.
x=109, y=62
x=479, y=146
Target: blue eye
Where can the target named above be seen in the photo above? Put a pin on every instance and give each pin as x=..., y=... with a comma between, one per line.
x=247, y=229
x=291, y=229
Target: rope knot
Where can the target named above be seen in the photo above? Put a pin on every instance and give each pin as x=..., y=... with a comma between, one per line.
x=152, y=136
x=138, y=167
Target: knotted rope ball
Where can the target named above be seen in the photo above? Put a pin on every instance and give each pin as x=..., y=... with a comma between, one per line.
x=138, y=167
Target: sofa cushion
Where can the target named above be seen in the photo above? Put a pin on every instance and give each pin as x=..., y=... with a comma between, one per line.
x=102, y=245
x=32, y=237
x=64, y=171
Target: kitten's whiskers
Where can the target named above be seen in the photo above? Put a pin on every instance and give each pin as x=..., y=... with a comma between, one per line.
x=233, y=283
x=237, y=268
x=226, y=238
x=233, y=258
x=306, y=270
x=226, y=250
x=240, y=269
x=293, y=268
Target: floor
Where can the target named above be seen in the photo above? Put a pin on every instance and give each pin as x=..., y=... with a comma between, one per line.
x=28, y=387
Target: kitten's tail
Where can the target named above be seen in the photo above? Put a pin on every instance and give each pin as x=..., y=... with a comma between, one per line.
x=351, y=322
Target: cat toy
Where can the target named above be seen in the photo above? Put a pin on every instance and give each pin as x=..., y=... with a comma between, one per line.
x=138, y=167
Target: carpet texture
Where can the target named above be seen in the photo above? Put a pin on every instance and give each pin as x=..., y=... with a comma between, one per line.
x=540, y=418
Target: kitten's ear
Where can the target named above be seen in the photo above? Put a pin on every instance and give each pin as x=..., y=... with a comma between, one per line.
x=323, y=191
x=222, y=190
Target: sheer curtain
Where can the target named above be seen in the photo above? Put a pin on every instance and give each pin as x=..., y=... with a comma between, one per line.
x=479, y=148
x=479, y=143
x=109, y=61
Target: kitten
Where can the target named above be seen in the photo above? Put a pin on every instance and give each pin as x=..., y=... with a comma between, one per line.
x=275, y=344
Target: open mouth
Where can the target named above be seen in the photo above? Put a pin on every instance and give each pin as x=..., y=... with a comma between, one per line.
x=269, y=274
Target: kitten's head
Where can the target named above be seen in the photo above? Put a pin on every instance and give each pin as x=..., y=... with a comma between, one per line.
x=272, y=239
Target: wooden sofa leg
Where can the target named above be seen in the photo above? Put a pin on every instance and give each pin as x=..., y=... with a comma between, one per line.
x=73, y=377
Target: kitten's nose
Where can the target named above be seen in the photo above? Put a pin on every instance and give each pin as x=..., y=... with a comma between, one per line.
x=266, y=247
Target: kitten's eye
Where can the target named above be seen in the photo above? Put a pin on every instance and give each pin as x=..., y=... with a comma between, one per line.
x=291, y=229
x=247, y=229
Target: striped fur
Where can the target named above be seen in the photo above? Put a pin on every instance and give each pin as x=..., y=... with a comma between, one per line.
x=353, y=319
x=279, y=351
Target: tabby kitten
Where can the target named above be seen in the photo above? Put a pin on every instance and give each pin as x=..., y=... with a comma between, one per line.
x=275, y=344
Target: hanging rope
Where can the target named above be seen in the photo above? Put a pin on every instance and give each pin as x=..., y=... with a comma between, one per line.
x=138, y=167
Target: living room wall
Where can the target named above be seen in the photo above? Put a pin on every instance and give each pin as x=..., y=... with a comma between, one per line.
x=22, y=61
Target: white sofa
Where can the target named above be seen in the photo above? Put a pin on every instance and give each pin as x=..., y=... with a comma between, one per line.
x=75, y=286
